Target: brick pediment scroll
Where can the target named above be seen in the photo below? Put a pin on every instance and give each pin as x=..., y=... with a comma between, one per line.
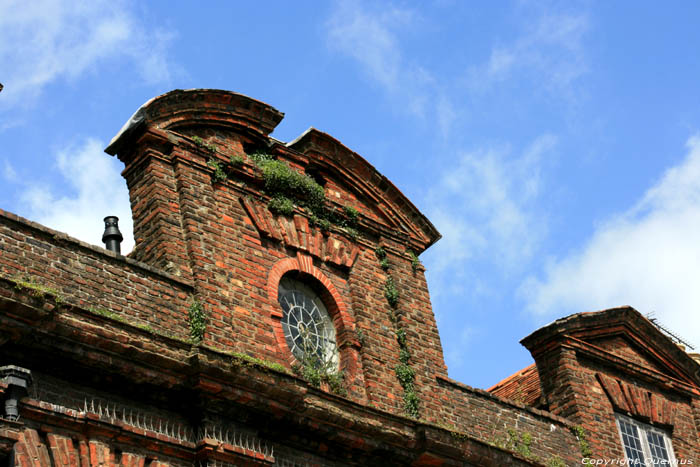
x=295, y=232
x=637, y=401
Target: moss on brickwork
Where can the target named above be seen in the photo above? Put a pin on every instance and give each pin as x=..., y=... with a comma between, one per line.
x=415, y=262
x=200, y=142
x=281, y=205
x=555, y=462
x=116, y=317
x=219, y=174
x=288, y=190
x=391, y=292
x=242, y=359
x=236, y=161
x=37, y=289
x=281, y=180
x=380, y=252
x=315, y=376
x=515, y=441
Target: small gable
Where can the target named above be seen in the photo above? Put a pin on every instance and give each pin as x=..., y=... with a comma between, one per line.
x=621, y=337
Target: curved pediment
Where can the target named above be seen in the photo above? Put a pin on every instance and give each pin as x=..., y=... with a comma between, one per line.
x=179, y=109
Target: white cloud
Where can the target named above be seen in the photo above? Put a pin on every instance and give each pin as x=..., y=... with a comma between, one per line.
x=648, y=257
x=485, y=208
x=549, y=52
x=98, y=190
x=46, y=40
x=371, y=38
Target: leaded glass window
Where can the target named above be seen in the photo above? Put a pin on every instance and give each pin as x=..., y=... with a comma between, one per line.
x=631, y=441
x=308, y=328
x=657, y=447
x=644, y=444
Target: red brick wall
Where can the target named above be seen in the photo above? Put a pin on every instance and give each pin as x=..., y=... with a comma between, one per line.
x=218, y=242
x=594, y=365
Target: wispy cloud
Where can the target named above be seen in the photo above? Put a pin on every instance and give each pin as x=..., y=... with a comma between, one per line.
x=47, y=40
x=648, y=257
x=485, y=207
x=371, y=37
x=549, y=52
x=90, y=188
x=8, y=172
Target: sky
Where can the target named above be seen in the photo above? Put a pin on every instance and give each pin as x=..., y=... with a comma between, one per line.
x=555, y=145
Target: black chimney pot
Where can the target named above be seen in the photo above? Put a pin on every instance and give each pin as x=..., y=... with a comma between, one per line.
x=112, y=238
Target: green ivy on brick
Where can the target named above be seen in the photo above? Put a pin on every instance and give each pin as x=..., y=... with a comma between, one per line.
x=281, y=205
x=415, y=262
x=219, y=174
x=391, y=292
x=197, y=320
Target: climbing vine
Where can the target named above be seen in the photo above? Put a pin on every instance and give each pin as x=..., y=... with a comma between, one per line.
x=406, y=376
x=415, y=262
x=404, y=372
x=391, y=292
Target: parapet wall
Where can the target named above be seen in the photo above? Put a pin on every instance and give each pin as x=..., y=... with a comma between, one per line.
x=91, y=277
x=537, y=434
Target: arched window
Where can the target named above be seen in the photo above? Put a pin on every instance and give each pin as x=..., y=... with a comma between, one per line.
x=307, y=326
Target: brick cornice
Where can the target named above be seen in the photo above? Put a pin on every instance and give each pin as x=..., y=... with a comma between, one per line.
x=213, y=375
x=625, y=322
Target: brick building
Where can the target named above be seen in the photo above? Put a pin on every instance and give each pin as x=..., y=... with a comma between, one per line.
x=274, y=312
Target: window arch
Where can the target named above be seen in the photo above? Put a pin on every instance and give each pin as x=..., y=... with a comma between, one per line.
x=307, y=326
x=301, y=268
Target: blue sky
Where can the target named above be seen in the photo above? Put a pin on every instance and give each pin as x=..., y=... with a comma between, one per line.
x=556, y=146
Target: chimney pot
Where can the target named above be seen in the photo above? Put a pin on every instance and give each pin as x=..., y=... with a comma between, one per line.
x=112, y=237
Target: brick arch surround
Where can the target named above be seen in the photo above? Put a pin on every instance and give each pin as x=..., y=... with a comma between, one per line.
x=344, y=323
x=348, y=344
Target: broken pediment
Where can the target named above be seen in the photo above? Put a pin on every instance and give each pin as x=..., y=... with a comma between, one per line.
x=630, y=350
